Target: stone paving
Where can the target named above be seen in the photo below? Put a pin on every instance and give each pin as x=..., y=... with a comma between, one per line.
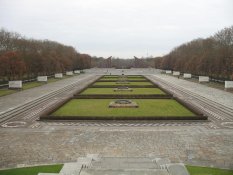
x=10, y=101
x=214, y=94
x=50, y=143
x=191, y=145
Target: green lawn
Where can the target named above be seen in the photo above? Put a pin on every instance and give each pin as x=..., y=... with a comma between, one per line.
x=6, y=91
x=195, y=170
x=99, y=107
x=32, y=170
x=144, y=91
x=130, y=83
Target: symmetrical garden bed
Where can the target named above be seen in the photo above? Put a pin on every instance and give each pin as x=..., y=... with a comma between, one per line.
x=152, y=102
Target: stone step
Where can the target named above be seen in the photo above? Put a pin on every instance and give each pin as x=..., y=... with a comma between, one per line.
x=177, y=169
x=123, y=172
x=94, y=157
x=71, y=169
x=124, y=163
x=85, y=161
x=161, y=162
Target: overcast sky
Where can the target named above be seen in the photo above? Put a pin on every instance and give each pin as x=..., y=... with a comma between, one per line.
x=120, y=28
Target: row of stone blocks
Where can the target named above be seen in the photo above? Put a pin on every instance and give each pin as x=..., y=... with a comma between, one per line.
x=228, y=84
x=18, y=84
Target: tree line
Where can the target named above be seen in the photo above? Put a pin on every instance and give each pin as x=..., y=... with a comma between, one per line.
x=212, y=56
x=27, y=58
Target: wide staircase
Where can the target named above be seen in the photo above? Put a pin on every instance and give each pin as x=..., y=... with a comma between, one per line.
x=93, y=164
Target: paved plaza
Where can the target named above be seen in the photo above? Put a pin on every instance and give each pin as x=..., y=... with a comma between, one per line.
x=206, y=143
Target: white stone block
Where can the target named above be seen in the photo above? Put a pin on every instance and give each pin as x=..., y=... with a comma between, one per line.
x=176, y=73
x=69, y=73
x=42, y=78
x=77, y=71
x=187, y=75
x=168, y=71
x=15, y=84
x=204, y=79
x=58, y=75
x=228, y=84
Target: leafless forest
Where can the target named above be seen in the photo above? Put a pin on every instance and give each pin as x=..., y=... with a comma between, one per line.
x=21, y=57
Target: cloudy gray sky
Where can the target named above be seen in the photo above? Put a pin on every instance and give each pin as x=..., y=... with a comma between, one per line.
x=121, y=28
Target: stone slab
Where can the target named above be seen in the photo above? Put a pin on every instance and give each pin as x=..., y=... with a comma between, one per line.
x=58, y=75
x=176, y=73
x=177, y=169
x=162, y=161
x=168, y=71
x=77, y=71
x=15, y=84
x=71, y=169
x=42, y=78
x=123, y=172
x=94, y=157
x=85, y=161
x=204, y=79
x=187, y=75
x=69, y=73
x=228, y=84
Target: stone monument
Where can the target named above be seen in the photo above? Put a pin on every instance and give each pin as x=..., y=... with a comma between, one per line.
x=42, y=78
x=228, y=84
x=58, y=75
x=186, y=75
x=204, y=79
x=69, y=73
x=15, y=84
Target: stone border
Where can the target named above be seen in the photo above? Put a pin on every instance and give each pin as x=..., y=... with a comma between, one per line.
x=130, y=86
x=126, y=81
x=126, y=96
x=123, y=118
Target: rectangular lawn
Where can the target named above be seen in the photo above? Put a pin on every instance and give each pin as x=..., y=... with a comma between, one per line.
x=143, y=91
x=32, y=170
x=99, y=107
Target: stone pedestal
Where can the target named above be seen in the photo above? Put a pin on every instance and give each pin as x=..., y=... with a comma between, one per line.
x=168, y=71
x=187, y=75
x=42, y=78
x=77, y=71
x=176, y=73
x=15, y=84
x=204, y=79
x=69, y=73
x=228, y=84
x=58, y=75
